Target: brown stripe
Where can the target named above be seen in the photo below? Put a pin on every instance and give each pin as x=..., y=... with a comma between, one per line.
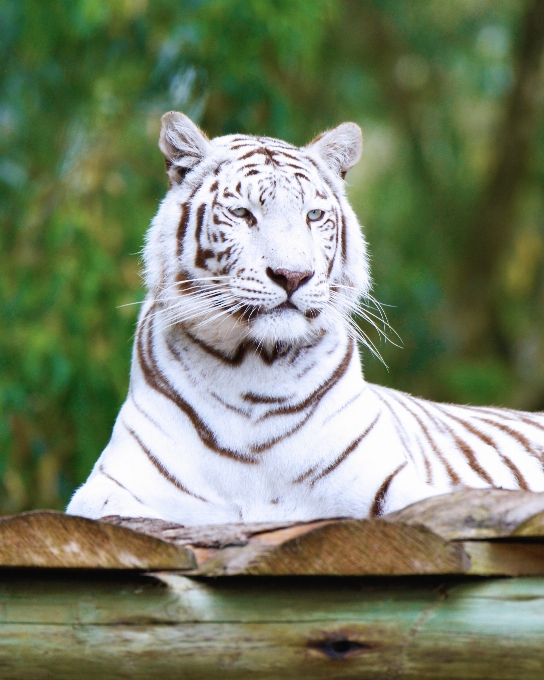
x=399, y=429
x=463, y=446
x=488, y=440
x=201, y=255
x=279, y=351
x=498, y=411
x=325, y=179
x=320, y=392
x=509, y=414
x=268, y=357
x=182, y=227
x=145, y=413
x=262, y=399
x=521, y=439
x=160, y=467
x=426, y=463
x=305, y=475
x=454, y=477
x=157, y=381
x=115, y=481
x=380, y=499
x=335, y=413
x=259, y=448
x=520, y=479
x=230, y=407
x=289, y=155
x=344, y=238
x=335, y=236
x=184, y=219
x=234, y=360
x=342, y=457
x=250, y=153
x=528, y=420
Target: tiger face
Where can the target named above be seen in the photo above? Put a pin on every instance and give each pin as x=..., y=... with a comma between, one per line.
x=255, y=241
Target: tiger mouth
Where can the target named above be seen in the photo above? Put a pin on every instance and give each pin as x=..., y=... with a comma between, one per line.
x=252, y=313
x=285, y=305
x=309, y=313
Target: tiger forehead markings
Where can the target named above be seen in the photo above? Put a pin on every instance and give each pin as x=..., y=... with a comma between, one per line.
x=247, y=399
x=277, y=185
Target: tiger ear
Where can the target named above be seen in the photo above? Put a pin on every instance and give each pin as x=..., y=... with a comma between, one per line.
x=339, y=148
x=182, y=143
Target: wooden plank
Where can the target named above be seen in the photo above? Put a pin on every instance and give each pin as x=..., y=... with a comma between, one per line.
x=83, y=625
x=469, y=514
x=325, y=547
x=429, y=537
x=206, y=536
x=501, y=558
x=477, y=514
x=341, y=548
x=534, y=526
x=53, y=539
x=167, y=598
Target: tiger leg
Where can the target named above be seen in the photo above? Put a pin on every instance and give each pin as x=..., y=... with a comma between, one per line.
x=101, y=496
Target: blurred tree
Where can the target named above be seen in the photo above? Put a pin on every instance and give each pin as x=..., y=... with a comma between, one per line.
x=450, y=99
x=493, y=225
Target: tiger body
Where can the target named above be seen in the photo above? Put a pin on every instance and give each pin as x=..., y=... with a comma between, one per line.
x=247, y=400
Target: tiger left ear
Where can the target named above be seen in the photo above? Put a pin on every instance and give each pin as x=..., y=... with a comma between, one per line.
x=182, y=143
x=340, y=148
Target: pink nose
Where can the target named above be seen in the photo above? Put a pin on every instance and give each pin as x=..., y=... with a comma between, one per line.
x=289, y=280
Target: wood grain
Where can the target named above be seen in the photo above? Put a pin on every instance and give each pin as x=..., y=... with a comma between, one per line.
x=53, y=539
x=341, y=548
x=484, y=532
x=452, y=534
x=476, y=514
x=86, y=626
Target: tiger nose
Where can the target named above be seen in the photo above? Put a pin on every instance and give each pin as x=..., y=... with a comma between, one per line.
x=289, y=280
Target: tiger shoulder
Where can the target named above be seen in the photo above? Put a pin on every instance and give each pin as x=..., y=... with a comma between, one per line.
x=247, y=400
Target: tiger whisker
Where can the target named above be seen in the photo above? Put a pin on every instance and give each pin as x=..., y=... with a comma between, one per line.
x=368, y=317
x=356, y=332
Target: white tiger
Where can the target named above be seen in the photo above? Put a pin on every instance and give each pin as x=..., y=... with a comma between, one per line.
x=246, y=400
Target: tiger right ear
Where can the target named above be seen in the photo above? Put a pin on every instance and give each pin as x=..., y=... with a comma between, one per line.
x=182, y=143
x=340, y=148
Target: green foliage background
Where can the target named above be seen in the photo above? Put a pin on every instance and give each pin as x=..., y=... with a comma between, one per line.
x=434, y=85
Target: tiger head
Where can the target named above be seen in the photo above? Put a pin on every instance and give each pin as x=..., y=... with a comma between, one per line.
x=255, y=240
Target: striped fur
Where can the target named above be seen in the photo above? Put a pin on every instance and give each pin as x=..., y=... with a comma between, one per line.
x=247, y=400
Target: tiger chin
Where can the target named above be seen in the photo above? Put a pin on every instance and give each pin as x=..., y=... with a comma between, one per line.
x=247, y=400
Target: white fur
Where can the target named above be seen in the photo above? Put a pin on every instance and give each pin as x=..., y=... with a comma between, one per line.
x=267, y=460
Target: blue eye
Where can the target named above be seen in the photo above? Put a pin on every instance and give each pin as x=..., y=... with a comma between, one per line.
x=241, y=212
x=314, y=215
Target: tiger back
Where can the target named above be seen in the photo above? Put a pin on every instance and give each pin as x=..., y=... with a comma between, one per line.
x=247, y=400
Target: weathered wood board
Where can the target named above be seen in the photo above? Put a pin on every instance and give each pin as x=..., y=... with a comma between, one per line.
x=77, y=625
x=473, y=532
x=409, y=604
x=478, y=514
x=53, y=539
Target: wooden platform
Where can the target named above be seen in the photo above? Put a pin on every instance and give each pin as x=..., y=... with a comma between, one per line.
x=452, y=587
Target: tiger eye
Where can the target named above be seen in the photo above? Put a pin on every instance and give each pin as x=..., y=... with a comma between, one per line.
x=315, y=215
x=240, y=212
